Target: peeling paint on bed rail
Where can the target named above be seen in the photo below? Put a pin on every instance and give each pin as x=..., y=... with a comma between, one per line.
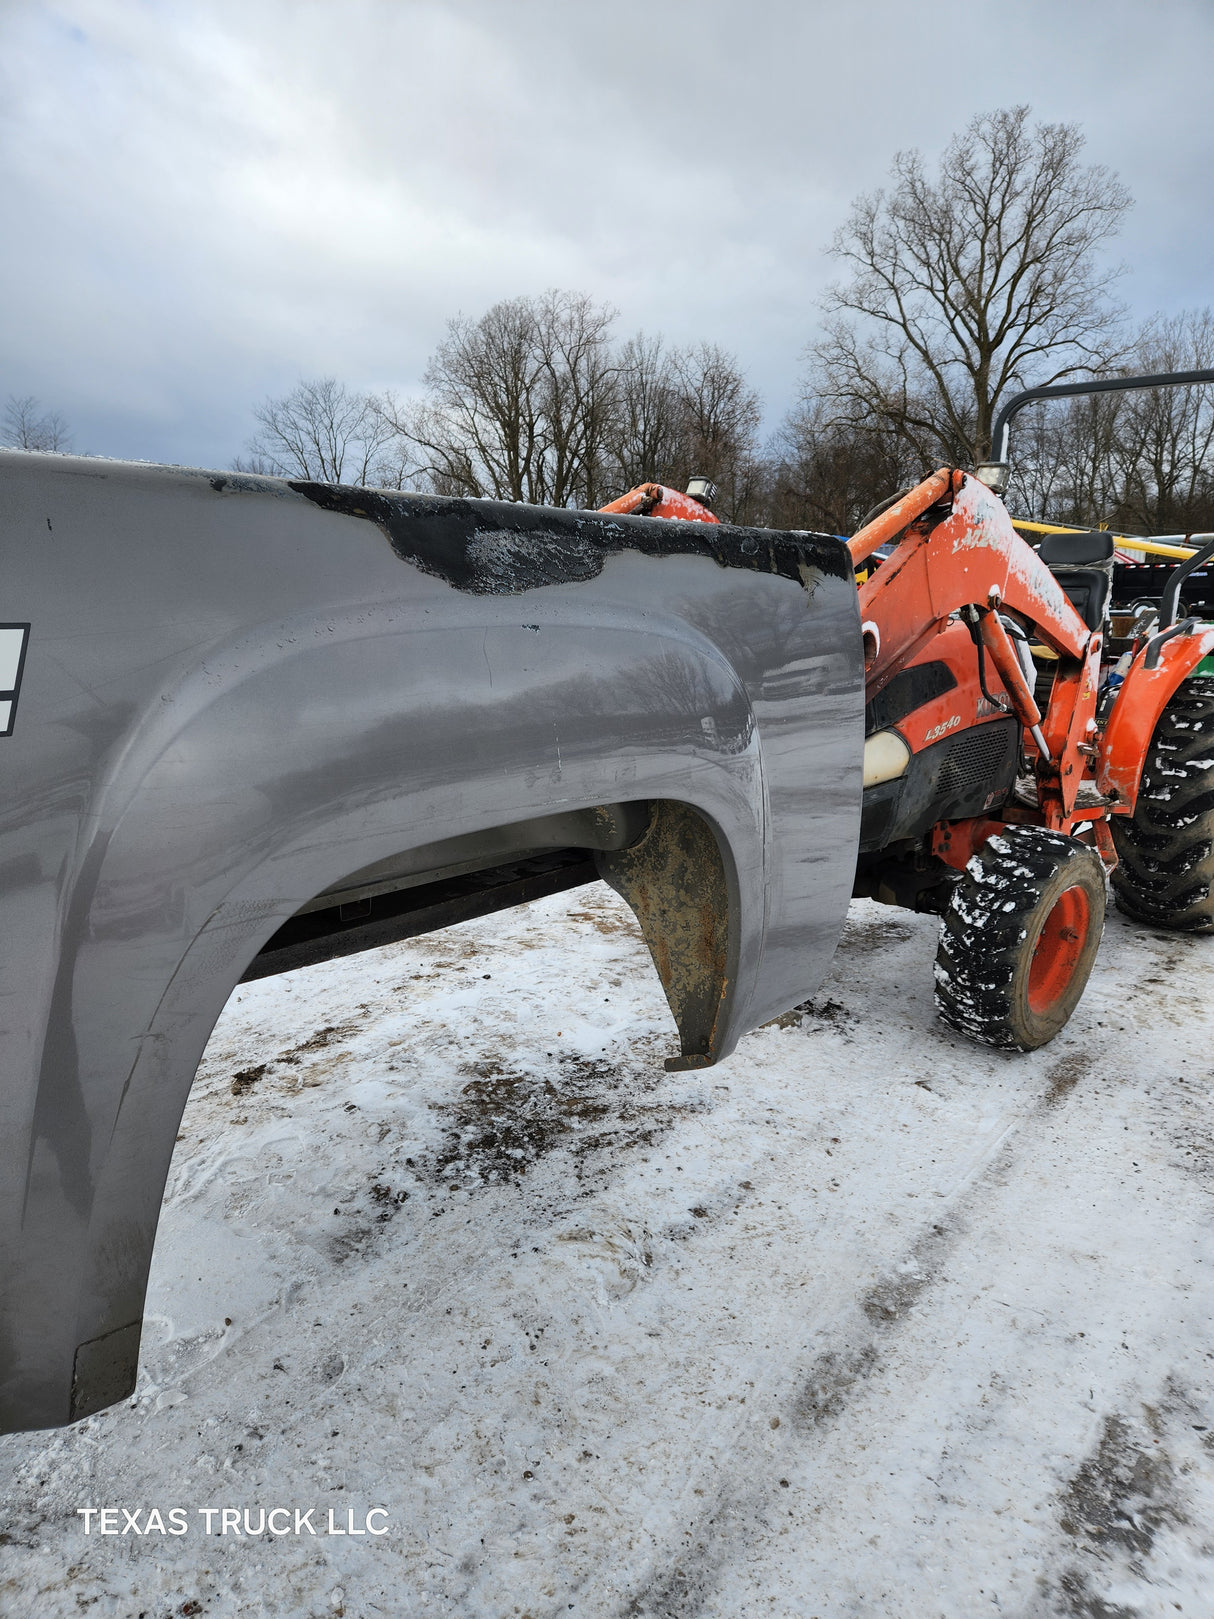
x=496, y=548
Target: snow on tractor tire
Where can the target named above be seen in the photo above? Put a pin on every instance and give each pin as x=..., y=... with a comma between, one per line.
x=1019, y=938
x=1166, y=849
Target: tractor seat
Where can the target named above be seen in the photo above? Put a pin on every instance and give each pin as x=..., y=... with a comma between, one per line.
x=1083, y=566
x=1091, y=550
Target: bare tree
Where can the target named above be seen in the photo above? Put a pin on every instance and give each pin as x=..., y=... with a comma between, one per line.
x=1143, y=462
x=28, y=428
x=825, y=474
x=968, y=286
x=579, y=391
x=647, y=442
x=321, y=430
x=1166, y=435
x=520, y=403
x=722, y=413
x=681, y=412
x=480, y=430
x=1067, y=463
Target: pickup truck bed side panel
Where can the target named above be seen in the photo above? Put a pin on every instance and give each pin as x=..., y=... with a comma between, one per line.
x=237, y=693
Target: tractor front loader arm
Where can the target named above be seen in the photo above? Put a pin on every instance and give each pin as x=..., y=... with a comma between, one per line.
x=890, y=523
x=972, y=557
x=1070, y=739
x=656, y=500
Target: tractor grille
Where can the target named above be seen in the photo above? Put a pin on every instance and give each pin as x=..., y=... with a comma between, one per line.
x=977, y=756
x=965, y=775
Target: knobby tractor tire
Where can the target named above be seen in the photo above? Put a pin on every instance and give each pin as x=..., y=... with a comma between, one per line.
x=1019, y=938
x=1166, y=848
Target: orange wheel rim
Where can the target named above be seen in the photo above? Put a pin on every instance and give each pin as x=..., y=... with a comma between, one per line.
x=1058, y=949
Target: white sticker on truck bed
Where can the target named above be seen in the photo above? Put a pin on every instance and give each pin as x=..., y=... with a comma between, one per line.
x=13, y=638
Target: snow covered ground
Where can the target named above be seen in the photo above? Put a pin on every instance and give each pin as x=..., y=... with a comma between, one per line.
x=865, y=1322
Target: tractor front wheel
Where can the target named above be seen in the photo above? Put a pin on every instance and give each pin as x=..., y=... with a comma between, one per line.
x=1166, y=848
x=1019, y=938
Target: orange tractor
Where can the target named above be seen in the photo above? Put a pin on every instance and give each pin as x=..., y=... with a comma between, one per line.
x=996, y=795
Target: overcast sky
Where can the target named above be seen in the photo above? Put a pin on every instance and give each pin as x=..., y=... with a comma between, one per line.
x=202, y=202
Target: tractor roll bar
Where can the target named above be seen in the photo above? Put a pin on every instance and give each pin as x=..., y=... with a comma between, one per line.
x=1169, y=602
x=1061, y=390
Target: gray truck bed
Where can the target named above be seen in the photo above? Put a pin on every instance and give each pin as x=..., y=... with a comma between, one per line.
x=251, y=724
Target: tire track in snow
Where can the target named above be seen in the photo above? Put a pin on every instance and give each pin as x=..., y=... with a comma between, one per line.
x=839, y=1374
x=848, y=1368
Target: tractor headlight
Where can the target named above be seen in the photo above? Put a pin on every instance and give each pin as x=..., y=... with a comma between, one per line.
x=886, y=757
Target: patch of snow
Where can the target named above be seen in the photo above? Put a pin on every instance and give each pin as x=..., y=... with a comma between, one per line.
x=866, y=1320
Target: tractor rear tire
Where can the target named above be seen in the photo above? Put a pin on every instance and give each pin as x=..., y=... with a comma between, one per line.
x=1019, y=938
x=1166, y=848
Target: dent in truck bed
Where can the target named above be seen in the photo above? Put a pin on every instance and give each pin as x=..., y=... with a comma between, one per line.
x=257, y=719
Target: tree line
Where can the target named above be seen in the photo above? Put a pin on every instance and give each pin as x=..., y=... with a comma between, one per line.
x=958, y=288
x=536, y=401
x=26, y=426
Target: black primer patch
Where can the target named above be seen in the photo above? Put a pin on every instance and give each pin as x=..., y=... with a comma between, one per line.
x=496, y=548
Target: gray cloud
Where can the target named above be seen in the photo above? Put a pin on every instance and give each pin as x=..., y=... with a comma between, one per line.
x=204, y=201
